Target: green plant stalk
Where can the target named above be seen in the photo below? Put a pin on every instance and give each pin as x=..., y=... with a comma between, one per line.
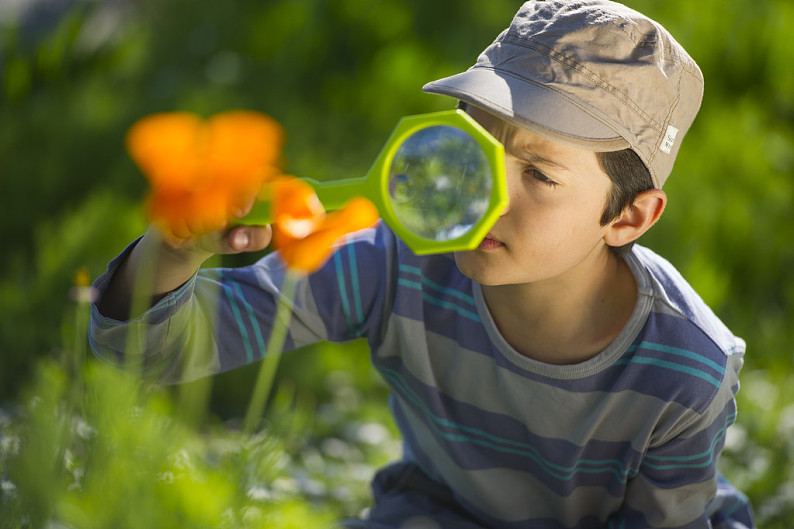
x=141, y=302
x=81, y=317
x=275, y=346
x=193, y=401
x=74, y=385
x=79, y=350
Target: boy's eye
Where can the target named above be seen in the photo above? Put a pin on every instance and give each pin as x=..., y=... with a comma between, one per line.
x=540, y=177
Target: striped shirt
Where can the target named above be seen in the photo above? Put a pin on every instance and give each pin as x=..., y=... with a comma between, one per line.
x=629, y=438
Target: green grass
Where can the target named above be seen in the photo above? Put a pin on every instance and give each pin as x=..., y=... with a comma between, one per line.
x=338, y=79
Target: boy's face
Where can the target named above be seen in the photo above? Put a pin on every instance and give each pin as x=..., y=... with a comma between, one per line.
x=550, y=228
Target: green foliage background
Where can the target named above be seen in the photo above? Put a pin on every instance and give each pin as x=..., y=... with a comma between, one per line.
x=338, y=74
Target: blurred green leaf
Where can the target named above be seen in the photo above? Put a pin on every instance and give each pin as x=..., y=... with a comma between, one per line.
x=338, y=74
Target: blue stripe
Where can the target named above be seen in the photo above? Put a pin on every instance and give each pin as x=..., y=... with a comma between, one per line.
x=672, y=366
x=260, y=342
x=435, y=286
x=439, y=302
x=679, y=352
x=709, y=452
x=249, y=355
x=340, y=278
x=560, y=472
x=704, y=464
x=355, y=283
x=728, y=421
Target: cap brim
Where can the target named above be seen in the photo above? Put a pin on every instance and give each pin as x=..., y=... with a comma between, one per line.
x=540, y=109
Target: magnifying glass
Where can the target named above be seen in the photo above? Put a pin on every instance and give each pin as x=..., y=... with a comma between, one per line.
x=438, y=182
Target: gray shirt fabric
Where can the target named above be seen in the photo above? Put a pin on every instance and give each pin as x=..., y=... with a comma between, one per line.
x=629, y=438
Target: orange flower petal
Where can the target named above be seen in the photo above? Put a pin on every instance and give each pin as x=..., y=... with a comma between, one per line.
x=297, y=211
x=358, y=213
x=243, y=144
x=186, y=214
x=294, y=198
x=309, y=253
x=203, y=172
x=166, y=147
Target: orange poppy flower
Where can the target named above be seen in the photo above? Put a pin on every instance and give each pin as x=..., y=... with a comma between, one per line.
x=303, y=232
x=202, y=172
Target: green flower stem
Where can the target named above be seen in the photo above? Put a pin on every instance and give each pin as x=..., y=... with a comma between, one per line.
x=140, y=303
x=275, y=346
x=81, y=295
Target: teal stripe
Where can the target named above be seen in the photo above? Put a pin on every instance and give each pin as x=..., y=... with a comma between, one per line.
x=558, y=471
x=355, y=284
x=681, y=352
x=449, y=305
x=249, y=355
x=439, y=302
x=410, y=284
x=672, y=366
x=448, y=291
x=740, y=503
x=435, y=286
x=720, y=435
x=411, y=269
x=728, y=421
x=340, y=278
x=260, y=341
x=707, y=453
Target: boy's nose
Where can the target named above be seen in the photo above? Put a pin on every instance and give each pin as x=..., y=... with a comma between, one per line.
x=506, y=209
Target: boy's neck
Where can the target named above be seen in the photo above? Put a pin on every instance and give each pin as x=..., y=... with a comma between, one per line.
x=569, y=319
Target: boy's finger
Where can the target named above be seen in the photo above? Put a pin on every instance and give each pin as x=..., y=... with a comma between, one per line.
x=247, y=239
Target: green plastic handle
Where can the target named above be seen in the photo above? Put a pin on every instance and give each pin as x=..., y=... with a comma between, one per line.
x=375, y=184
x=332, y=194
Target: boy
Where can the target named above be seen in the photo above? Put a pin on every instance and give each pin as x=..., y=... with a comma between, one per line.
x=554, y=377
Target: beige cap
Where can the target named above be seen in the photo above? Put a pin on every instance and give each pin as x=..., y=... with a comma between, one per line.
x=591, y=74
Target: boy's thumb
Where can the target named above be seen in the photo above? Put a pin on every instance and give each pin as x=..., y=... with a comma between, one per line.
x=248, y=239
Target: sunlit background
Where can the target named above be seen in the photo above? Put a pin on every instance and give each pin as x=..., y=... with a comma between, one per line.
x=338, y=74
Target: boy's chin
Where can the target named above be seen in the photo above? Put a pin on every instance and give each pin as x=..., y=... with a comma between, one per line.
x=477, y=270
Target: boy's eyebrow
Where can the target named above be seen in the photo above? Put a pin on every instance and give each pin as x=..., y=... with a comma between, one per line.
x=534, y=158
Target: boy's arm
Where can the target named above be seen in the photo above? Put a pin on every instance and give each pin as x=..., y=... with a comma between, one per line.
x=219, y=319
x=153, y=339
x=678, y=483
x=164, y=265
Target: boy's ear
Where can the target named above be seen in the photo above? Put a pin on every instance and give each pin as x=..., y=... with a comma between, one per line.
x=637, y=218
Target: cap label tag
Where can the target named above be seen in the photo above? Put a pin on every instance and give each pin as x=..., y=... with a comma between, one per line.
x=669, y=139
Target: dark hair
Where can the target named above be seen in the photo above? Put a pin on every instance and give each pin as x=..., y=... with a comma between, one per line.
x=629, y=177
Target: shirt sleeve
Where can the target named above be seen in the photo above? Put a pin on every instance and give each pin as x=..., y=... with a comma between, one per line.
x=678, y=482
x=222, y=318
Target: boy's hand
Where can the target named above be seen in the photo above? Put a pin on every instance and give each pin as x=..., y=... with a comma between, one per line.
x=238, y=239
x=235, y=240
x=246, y=239
x=173, y=260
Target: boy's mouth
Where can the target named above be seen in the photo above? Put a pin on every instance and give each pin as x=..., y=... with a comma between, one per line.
x=490, y=243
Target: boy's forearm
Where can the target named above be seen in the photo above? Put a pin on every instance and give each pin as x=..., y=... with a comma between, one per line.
x=154, y=268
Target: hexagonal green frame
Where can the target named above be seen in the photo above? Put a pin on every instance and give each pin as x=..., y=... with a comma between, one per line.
x=375, y=184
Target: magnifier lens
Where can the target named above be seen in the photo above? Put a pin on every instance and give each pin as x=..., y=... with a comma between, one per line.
x=401, y=189
x=439, y=183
